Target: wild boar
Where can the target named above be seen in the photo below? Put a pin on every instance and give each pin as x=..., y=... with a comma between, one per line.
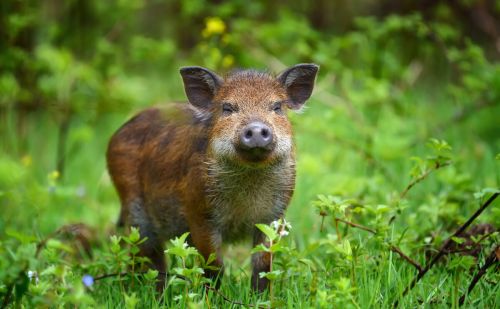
x=214, y=167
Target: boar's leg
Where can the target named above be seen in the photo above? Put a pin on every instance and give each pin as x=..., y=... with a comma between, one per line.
x=152, y=248
x=155, y=252
x=261, y=262
x=207, y=243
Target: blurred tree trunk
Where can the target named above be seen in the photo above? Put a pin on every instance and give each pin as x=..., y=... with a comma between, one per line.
x=18, y=44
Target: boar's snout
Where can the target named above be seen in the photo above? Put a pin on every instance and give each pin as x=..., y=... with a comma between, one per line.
x=256, y=141
x=256, y=135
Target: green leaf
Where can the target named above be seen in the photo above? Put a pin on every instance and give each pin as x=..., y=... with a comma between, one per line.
x=307, y=262
x=179, y=241
x=272, y=275
x=268, y=231
x=480, y=194
x=461, y=262
x=277, y=247
x=23, y=238
x=57, y=244
x=115, y=244
x=260, y=248
x=134, y=235
x=151, y=274
x=212, y=257
x=134, y=250
x=131, y=301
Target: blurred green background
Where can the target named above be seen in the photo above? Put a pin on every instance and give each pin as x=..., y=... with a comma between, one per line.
x=393, y=74
x=399, y=82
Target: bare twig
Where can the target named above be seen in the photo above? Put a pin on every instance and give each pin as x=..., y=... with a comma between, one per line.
x=407, y=258
x=490, y=261
x=422, y=177
x=393, y=248
x=444, y=247
x=364, y=228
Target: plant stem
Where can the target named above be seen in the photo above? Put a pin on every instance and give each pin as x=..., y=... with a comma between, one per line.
x=407, y=258
x=270, y=270
x=359, y=226
x=339, y=237
x=490, y=260
x=422, y=177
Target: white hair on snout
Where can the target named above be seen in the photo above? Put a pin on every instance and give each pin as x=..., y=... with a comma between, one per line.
x=223, y=145
x=283, y=144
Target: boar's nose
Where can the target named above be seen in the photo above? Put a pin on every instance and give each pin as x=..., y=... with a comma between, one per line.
x=256, y=135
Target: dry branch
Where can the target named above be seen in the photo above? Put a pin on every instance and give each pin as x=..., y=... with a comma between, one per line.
x=490, y=261
x=407, y=258
x=442, y=251
x=359, y=226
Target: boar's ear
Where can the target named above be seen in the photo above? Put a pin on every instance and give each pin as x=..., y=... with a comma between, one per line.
x=299, y=83
x=200, y=85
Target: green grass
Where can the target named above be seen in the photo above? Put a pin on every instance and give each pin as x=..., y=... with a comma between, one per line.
x=368, y=160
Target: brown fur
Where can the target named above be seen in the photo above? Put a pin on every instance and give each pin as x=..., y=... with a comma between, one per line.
x=176, y=170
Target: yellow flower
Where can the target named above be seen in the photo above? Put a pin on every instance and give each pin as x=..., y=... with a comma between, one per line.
x=213, y=26
x=54, y=175
x=26, y=160
x=227, y=61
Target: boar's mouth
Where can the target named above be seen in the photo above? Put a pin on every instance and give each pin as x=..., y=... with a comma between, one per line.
x=255, y=154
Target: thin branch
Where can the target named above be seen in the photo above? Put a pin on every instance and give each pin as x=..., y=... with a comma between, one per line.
x=364, y=228
x=444, y=247
x=490, y=260
x=407, y=258
x=422, y=177
x=393, y=248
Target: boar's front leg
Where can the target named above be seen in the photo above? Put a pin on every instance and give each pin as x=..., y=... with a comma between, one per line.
x=152, y=248
x=207, y=242
x=261, y=262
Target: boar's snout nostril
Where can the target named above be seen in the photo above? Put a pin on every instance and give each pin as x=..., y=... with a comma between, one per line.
x=256, y=135
x=265, y=132
x=248, y=134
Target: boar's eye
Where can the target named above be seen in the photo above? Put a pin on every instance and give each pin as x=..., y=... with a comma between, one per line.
x=228, y=109
x=277, y=108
